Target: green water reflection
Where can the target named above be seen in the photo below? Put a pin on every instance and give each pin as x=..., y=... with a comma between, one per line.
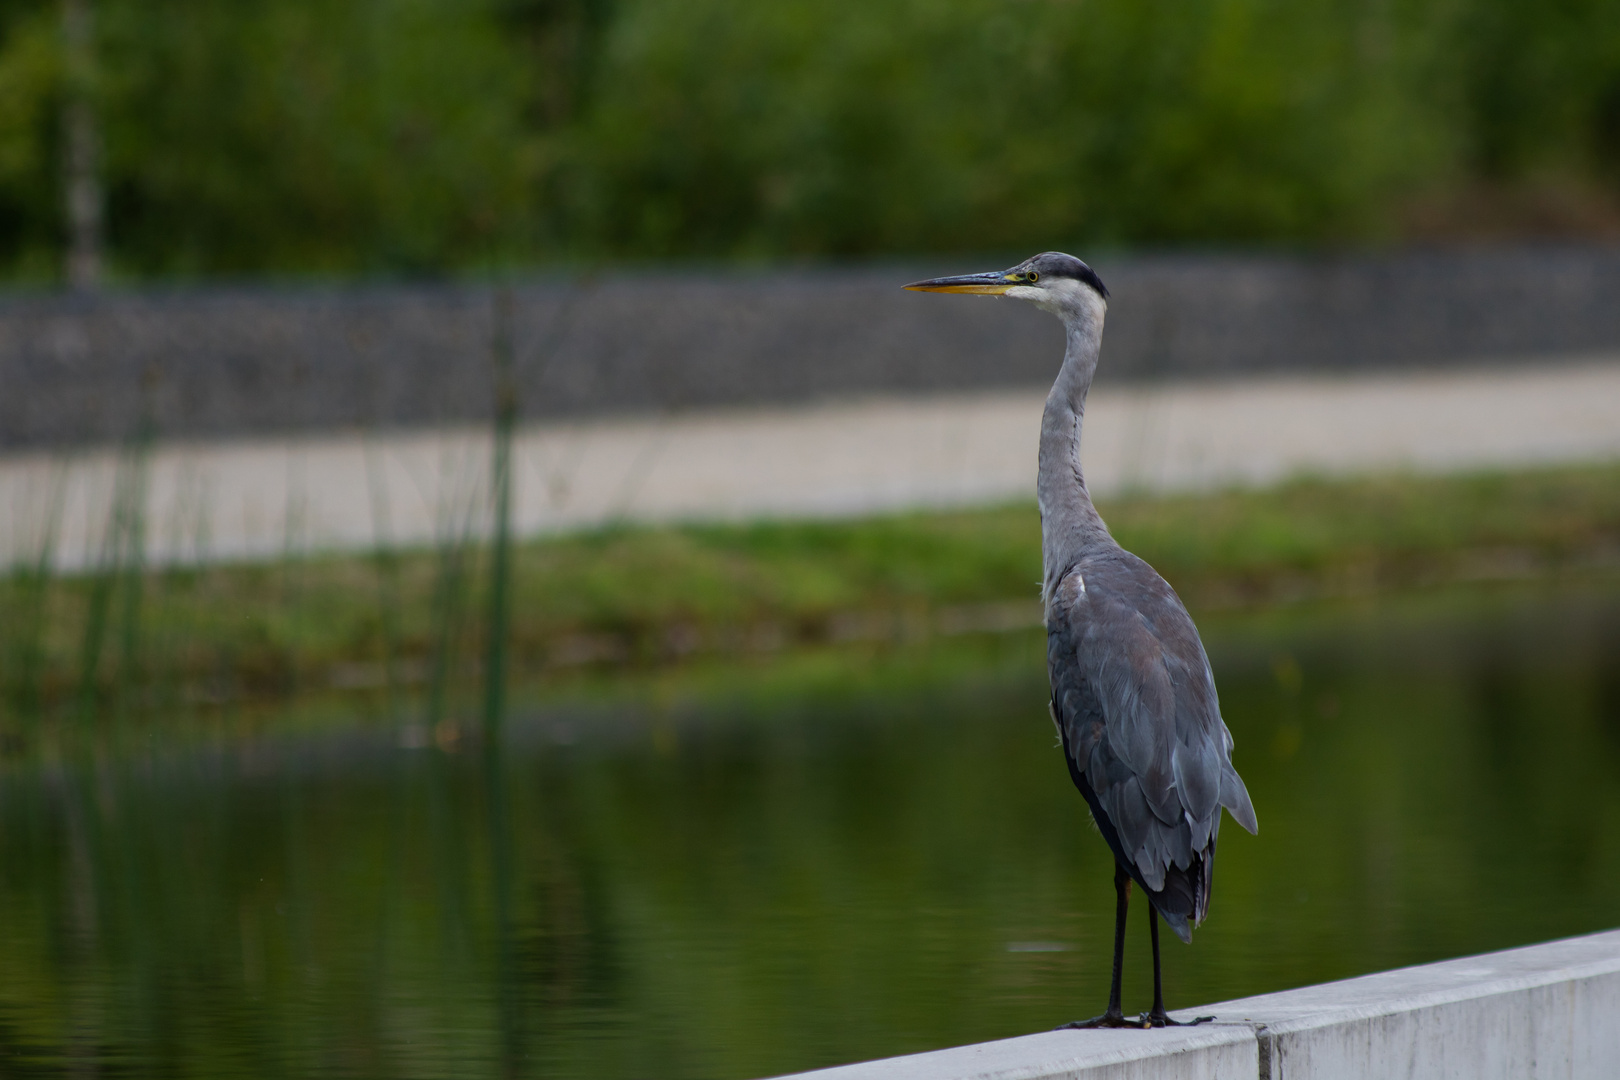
x=854, y=857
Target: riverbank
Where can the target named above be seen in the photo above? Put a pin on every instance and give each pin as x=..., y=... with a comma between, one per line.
x=397, y=626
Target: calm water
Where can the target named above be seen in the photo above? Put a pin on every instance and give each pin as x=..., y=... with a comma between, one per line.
x=839, y=857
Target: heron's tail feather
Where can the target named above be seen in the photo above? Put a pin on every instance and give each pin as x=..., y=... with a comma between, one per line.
x=1184, y=900
x=1178, y=926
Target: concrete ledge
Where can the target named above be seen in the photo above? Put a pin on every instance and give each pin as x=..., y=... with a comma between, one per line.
x=1544, y=1011
x=1206, y=1052
x=1547, y=1012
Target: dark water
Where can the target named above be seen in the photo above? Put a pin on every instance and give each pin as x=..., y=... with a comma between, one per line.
x=843, y=856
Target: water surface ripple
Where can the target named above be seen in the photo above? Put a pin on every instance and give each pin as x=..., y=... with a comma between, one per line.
x=874, y=854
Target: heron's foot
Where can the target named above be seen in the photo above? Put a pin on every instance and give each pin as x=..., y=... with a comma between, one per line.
x=1162, y=1019
x=1109, y=1019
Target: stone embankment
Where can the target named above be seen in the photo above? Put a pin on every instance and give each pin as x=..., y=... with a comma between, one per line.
x=1546, y=1012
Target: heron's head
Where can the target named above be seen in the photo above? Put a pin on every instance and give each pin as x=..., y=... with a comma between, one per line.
x=1059, y=283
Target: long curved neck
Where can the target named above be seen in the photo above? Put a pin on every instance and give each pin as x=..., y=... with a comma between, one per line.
x=1069, y=522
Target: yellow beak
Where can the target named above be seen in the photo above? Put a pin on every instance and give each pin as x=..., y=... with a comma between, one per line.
x=991, y=284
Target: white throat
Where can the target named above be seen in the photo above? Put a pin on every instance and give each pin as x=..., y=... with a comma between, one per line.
x=1068, y=299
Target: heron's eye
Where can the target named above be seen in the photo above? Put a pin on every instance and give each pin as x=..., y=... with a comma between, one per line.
x=1033, y=277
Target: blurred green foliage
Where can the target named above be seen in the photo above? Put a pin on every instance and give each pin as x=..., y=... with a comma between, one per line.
x=428, y=136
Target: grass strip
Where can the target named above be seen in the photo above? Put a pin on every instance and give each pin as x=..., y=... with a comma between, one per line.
x=637, y=597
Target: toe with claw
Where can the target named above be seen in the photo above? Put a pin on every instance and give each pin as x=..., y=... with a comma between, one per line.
x=1162, y=1019
x=1106, y=1020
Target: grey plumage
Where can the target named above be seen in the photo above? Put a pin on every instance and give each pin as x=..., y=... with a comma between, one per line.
x=1134, y=700
x=1133, y=696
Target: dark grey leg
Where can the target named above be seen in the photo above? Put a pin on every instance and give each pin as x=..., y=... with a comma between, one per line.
x=1158, y=1017
x=1115, y=1016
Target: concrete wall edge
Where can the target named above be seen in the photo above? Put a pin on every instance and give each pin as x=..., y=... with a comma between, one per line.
x=1485, y=1016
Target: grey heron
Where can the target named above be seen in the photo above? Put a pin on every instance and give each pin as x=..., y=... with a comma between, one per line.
x=1133, y=696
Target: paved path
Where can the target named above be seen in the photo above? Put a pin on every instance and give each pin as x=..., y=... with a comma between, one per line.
x=261, y=498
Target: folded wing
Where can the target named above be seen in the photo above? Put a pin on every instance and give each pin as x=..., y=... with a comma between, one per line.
x=1135, y=702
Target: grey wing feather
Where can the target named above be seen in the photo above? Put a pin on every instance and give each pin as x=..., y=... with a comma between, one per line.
x=1134, y=696
x=1235, y=797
